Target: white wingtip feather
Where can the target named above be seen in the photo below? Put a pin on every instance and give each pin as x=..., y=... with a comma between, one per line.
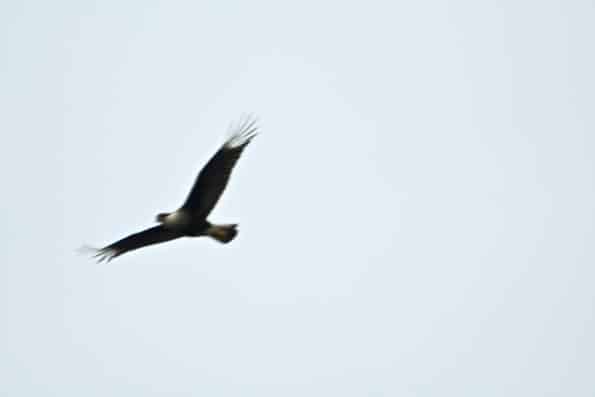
x=242, y=132
x=101, y=254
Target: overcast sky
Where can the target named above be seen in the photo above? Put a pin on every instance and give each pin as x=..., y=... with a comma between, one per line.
x=416, y=218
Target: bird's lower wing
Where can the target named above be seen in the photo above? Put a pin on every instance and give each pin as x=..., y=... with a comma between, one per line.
x=154, y=235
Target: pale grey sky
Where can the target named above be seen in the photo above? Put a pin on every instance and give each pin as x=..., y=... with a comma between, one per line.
x=416, y=218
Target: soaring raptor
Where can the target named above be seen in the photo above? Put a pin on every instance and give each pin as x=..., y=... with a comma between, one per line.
x=190, y=220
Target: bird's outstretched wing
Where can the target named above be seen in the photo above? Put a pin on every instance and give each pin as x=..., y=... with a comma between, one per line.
x=154, y=235
x=213, y=178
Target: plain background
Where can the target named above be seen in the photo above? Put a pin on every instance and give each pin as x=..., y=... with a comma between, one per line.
x=416, y=217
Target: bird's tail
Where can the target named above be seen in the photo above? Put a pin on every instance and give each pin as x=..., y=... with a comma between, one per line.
x=223, y=233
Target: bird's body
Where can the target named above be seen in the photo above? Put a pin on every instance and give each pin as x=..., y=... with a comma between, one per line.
x=184, y=222
x=190, y=220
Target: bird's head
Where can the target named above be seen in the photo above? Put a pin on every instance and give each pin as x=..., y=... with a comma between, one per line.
x=160, y=218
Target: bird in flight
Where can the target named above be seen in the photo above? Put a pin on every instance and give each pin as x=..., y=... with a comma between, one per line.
x=190, y=220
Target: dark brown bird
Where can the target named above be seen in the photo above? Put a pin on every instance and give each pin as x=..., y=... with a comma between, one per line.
x=190, y=220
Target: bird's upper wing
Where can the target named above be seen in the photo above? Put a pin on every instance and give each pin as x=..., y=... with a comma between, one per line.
x=213, y=178
x=154, y=235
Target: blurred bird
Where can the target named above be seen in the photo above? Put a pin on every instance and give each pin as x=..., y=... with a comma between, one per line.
x=190, y=220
